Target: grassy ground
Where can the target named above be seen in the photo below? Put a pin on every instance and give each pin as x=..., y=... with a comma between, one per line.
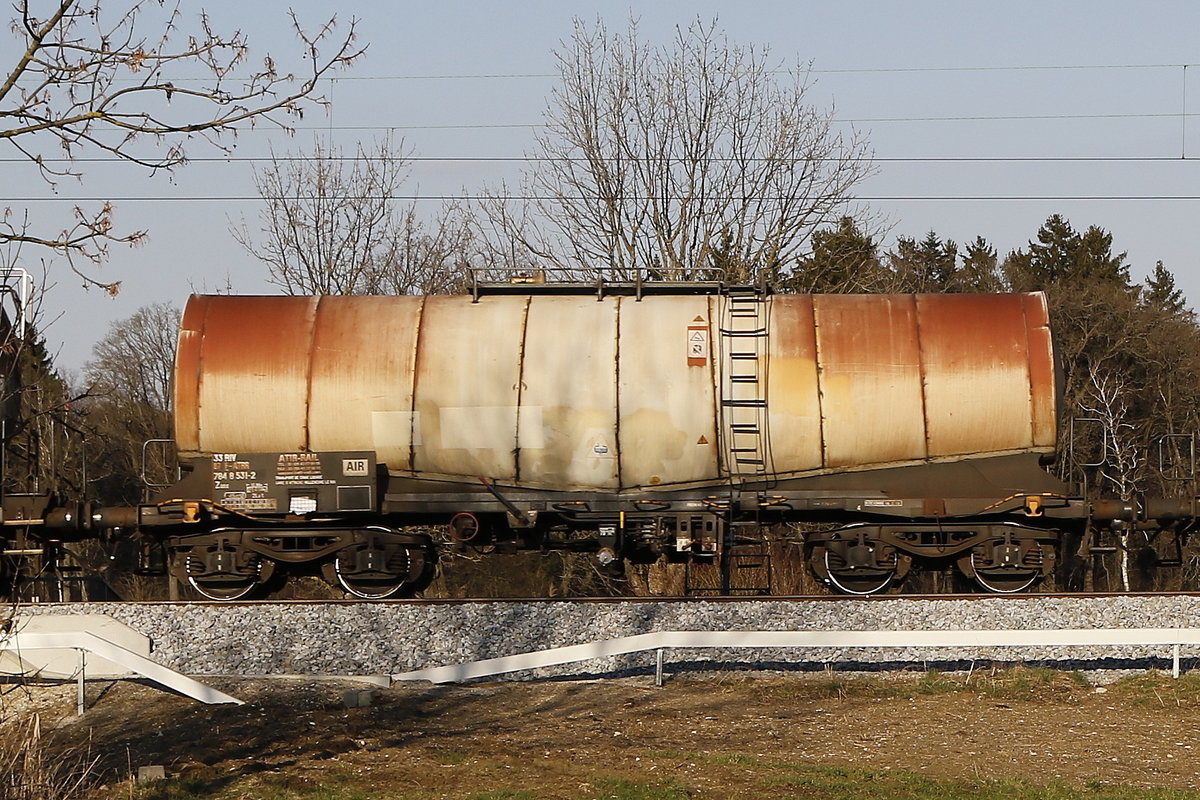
x=986, y=735
x=778, y=780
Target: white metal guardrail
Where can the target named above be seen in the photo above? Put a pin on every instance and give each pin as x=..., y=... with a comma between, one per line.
x=85, y=643
x=661, y=641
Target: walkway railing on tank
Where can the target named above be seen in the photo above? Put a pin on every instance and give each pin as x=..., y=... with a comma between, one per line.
x=601, y=280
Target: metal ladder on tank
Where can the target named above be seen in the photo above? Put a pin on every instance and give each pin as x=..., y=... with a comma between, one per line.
x=743, y=349
x=743, y=352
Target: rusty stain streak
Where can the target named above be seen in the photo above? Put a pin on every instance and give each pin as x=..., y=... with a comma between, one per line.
x=794, y=397
x=977, y=373
x=870, y=384
x=1044, y=376
x=254, y=354
x=364, y=344
x=188, y=374
x=1029, y=373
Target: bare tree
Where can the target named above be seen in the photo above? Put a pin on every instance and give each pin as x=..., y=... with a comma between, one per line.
x=696, y=155
x=103, y=76
x=1123, y=458
x=332, y=225
x=128, y=402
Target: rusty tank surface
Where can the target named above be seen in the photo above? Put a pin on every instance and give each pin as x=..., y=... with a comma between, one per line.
x=619, y=393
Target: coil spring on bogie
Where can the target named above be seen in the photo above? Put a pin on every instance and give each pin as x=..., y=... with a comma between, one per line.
x=400, y=561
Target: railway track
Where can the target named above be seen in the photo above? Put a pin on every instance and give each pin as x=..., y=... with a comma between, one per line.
x=465, y=601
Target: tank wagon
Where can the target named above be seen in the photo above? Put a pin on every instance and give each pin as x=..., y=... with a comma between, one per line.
x=634, y=421
x=637, y=422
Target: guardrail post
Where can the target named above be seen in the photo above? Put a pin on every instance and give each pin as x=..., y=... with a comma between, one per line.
x=1174, y=661
x=79, y=682
x=658, y=668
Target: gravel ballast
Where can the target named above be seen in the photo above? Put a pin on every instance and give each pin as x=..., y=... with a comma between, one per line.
x=387, y=638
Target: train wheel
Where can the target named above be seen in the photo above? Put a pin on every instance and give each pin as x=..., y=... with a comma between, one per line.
x=223, y=590
x=358, y=574
x=859, y=573
x=221, y=571
x=1007, y=569
x=378, y=566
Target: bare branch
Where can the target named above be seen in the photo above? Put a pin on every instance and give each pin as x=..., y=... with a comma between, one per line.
x=330, y=228
x=675, y=160
x=91, y=79
x=128, y=401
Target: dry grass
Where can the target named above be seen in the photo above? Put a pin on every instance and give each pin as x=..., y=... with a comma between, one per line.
x=987, y=735
x=29, y=768
x=31, y=772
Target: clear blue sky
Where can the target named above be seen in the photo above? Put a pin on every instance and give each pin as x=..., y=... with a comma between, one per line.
x=1036, y=108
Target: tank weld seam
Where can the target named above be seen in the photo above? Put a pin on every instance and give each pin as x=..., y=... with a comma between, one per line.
x=308, y=372
x=922, y=372
x=617, y=306
x=418, y=341
x=516, y=453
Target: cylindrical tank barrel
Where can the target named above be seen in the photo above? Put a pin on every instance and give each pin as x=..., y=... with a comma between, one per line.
x=575, y=392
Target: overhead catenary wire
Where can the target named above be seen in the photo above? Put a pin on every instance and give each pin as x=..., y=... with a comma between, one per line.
x=544, y=159
x=335, y=79
x=330, y=128
x=813, y=71
x=1171, y=115
x=638, y=198
x=525, y=159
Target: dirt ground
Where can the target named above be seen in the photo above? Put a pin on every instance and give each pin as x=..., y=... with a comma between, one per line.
x=727, y=735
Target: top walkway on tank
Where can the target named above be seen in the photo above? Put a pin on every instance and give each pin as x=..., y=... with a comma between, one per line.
x=604, y=282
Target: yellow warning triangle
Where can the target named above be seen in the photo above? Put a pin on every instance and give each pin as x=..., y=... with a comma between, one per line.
x=702, y=440
x=698, y=319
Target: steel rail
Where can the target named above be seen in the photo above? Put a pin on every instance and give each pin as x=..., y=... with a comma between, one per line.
x=457, y=601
